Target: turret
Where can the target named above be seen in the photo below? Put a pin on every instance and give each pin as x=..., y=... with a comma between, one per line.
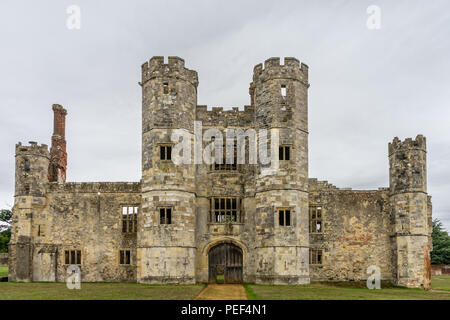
x=166, y=236
x=31, y=178
x=409, y=202
x=58, y=154
x=280, y=94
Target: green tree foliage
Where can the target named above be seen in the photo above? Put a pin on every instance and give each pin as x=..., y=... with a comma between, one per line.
x=5, y=229
x=441, y=244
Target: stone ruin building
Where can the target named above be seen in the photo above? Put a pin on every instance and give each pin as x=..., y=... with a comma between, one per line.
x=196, y=222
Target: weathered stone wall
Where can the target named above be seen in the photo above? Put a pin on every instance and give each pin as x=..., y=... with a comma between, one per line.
x=79, y=216
x=166, y=252
x=282, y=251
x=411, y=215
x=356, y=233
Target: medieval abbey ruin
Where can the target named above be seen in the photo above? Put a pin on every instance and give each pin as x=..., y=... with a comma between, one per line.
x=194, y=222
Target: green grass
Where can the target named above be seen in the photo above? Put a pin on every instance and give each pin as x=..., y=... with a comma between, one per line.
x=96, y=291
x=343, y=291
x=3, y=271
x=441, y=282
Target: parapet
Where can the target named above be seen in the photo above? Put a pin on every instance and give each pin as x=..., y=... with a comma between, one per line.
x=33, y=149
x=273, y=69
x=220, y=117
x=156, y=68
x=408, y=144
x=94, y=187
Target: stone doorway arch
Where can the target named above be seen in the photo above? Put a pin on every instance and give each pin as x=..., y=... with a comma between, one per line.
x=225, y=260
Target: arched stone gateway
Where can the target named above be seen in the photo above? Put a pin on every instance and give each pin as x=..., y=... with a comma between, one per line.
x=225, y=262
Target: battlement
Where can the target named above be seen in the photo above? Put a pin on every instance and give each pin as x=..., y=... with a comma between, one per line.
x=33, y=149
x=217, y=116
x=419, y=144
x=156, y=68
x=273, y=69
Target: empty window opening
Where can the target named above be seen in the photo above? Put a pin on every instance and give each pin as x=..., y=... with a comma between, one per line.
x=283, y=90
x=315, y=256
x=129, y=219
x=284, y=153
x=72, y=257
x=315, y=219
x=165, y=215
x=165, y=152
x=125, y=257
x=41, y=231
x=225, y=210
x=26, y=165
x=284, y=217
x=166, y=87
x=27, y=189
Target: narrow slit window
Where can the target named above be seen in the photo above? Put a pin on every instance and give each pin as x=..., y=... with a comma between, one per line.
x=165, y=152
x=284, y=153
x=166, y=87
x=165, y=215
x=284, y=217
x=283, y=90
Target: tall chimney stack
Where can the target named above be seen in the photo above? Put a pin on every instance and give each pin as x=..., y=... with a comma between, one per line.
x=58, y=154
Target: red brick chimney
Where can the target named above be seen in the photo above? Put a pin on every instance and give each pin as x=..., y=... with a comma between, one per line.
x=58, y=154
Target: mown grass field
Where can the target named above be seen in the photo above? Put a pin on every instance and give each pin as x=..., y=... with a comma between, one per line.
x=3, y=271
x=97, y=291
x=441, y=282
x=349, y=291
x=135, y=291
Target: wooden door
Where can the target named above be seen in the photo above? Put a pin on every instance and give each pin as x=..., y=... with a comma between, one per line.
x=225, y=260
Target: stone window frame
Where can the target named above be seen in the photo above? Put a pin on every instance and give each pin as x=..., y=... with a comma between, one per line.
x=78, y=257
x=166, y=155
x=225, y=210
x=314, y=254
x=282, y=152
x=133, y=220
x=119, y=257
x=291, y=217
x=313, y=221
x=165, y=207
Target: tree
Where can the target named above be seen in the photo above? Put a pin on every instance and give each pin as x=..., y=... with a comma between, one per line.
x=441, y=244
x=5, y=229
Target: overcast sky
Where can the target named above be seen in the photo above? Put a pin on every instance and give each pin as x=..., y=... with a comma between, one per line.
x=367, y=86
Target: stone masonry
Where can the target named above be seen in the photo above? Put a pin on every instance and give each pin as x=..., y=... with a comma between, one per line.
x=286, y=227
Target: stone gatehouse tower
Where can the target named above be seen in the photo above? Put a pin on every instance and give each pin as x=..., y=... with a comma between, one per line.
x=196, y=222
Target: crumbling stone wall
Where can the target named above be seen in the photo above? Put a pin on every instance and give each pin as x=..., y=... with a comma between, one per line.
x=356, y=233
x=80, y=216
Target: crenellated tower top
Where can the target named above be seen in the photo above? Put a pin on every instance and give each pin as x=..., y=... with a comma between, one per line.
x=273, y=69
x=156, y=68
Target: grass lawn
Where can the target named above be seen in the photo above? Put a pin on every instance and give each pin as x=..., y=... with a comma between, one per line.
x=96, y=291
x=345, y=291
x=441, y=282
x=3, y=271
